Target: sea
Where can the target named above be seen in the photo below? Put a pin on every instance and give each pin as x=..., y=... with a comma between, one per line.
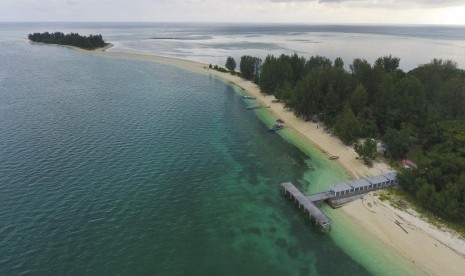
x=113, y=166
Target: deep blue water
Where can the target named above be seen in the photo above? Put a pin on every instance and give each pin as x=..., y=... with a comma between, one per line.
x=119, y=167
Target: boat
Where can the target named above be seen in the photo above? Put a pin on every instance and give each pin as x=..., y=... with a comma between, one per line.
x=254, y=107
x=248, y=97
x=333, y=157
x=275, y=127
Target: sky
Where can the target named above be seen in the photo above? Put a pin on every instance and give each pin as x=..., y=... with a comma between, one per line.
x=450, y=12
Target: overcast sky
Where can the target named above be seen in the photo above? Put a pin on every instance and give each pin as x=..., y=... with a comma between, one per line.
x=300, y=11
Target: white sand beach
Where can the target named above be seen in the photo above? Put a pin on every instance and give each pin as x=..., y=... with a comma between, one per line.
x=434, y=251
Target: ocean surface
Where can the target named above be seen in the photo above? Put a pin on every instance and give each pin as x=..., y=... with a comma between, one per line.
x=114, y=166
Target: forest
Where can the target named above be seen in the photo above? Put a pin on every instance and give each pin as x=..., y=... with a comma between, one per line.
x=418, y=114
x=90, y=42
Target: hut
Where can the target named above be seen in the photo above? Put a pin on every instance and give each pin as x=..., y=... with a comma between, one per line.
x=409, y=164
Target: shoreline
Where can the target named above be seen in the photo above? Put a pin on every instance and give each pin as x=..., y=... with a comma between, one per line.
x=102, y=49
x=433, y=251
x=313, y=132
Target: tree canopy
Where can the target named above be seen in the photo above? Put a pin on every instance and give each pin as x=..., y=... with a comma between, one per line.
x=250, y=67
x=230, y=64
x=439, y=182
x=73, y=39
x=367, y=151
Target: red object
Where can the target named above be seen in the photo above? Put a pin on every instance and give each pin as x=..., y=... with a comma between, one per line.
x=408, y=163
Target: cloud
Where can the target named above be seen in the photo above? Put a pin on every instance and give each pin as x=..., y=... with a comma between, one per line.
x=283, y=1
x=299, y=11
x=384, y=3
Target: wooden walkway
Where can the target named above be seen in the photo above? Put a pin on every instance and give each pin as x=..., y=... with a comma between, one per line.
x=320, y=197
x=342, y=191
x=309, y=207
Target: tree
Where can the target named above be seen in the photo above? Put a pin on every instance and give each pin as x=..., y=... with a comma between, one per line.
x=452, y=98
x=359, y=98
x=230, y=64
x=361, y=70
x=250, y=67
x=331, y=103
x=284, y=93
x=367, y=151
x=275, y=73
x=338, y=63
x=348, y=128
x=306, y=96
x=397, y=142
x=318, y=62
x=298, y=67
x=387, y=63
x=411, y=100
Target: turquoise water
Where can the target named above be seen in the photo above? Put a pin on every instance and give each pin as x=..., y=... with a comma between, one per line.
x=377, y=257
x=112, y=166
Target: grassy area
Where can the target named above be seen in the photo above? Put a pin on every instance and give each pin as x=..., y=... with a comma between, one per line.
x=384, y=196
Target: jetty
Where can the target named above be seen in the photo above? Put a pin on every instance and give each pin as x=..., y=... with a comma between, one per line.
x=337, y=195
x=257, y=106
x=307, y=205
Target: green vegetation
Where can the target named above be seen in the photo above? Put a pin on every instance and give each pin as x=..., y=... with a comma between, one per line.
x=367, y=151
x=250, y=67
x=439, y=182
x=219, y=69
x=73, y=39
x=384, y=196
x=348, y=127
x=230, y=64
x=398, y=143
x=420, y=113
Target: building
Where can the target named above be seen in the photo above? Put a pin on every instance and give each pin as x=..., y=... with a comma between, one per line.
x=359, y=186
x=409, y=164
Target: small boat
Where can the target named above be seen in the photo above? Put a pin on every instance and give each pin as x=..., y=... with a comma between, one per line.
x=333, y=157
x=248, y=97
x=275, y=127
x=254, y=107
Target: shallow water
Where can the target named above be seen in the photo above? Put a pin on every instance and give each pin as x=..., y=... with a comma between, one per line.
x=353, y=239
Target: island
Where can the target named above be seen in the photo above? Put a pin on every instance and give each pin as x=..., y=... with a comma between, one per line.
x=90, y=42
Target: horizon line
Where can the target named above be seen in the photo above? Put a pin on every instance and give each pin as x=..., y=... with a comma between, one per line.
x=253, y=23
